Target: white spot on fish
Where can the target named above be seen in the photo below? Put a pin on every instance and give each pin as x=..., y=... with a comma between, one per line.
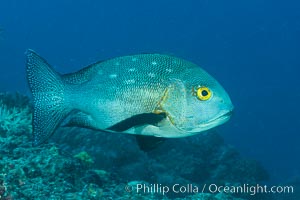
x=133, y=59
x=113, y=76
x=117, y=63
x=169, y=70
x=130, y=81
x=152, y=75
x=154, y=63
x=131, y=69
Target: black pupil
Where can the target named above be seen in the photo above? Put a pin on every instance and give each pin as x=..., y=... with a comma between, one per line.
x=204, y=93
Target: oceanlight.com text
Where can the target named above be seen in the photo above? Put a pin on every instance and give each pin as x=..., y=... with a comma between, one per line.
x=250, y=189
x=208, y=188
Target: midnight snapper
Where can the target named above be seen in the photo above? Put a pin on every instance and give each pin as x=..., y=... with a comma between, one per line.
x=145, y=94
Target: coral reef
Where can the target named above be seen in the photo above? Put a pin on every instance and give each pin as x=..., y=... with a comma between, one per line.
x=85, y=164
x=15, y=114
x=84, y=157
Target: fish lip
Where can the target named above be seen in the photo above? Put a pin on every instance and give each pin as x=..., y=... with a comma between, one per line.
x=221, y=119
x=224, y=116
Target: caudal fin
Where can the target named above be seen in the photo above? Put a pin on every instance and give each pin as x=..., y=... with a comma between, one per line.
x=48, y=91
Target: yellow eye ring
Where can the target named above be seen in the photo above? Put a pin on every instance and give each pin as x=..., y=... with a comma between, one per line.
x=203, y=93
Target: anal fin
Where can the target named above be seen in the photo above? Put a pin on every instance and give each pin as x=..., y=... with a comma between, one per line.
x=81, y=119
x=148, y=143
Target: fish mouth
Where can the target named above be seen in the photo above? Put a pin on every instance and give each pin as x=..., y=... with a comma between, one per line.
x=219, y=119
x=225, y=115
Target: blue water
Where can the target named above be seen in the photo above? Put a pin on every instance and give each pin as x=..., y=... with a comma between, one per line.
x=251, y=47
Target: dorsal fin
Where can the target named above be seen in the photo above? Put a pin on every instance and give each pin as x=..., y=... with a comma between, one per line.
x=82, y=75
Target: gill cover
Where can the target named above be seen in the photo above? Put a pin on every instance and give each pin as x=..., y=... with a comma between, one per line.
x=174, y=103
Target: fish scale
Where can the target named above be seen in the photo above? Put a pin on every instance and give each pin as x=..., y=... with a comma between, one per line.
x=140, y=96
x=145, y=94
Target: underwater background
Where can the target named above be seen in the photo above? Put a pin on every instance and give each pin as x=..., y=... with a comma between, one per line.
x=251, y=47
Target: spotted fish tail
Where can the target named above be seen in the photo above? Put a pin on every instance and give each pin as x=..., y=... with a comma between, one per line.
x=48, y=91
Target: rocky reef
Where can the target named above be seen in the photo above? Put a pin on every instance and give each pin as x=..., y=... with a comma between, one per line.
x=79, y=163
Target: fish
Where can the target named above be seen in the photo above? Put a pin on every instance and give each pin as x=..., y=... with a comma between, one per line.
x=151, y=95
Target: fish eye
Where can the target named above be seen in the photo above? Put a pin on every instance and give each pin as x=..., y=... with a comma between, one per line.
x=204, y=93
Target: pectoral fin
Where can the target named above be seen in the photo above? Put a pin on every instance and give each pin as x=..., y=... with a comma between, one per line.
x=138, y=120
